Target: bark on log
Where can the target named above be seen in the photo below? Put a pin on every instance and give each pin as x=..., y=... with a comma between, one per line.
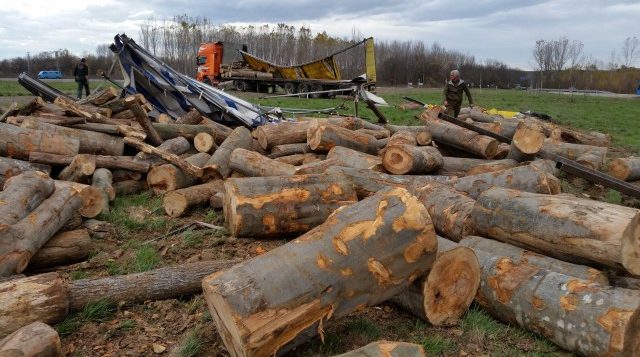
x=22, y=240
x=165, y=155
x=356, y=159
x=402, y=137
x=220, y=132
x=91, y=197
x=165, y=119
x=102, y=180
x=108, y=162
x=450, y=210
x=170, y=131
x=518, y=255
x=218, y=165
x=81, y=167
x=217, y=201
x=627, y=169
x=22, y=194
x=387, y=349
x=176, y=146
x=157, y=284
x=578, y=315
x=129, y=131
x=72, y=224
x=12, y=167
x=100, y=97
x=129, y=187
x=36, y=298
x=34, y=340
x=316, y=167
x=119, y=175
x=378, y=134
x=252, y=164
x=324, y=136
x=573, y=151
x=91, y=113
x=526, y=178
x=63, y=249
x=286, y=205
x=289, y=149
x=191, y=117
x=169, y=177
x=527, y=142
x=460, y=165
x=204, y=142
x=300, y=159
x=283, y=133
x=445, y=293
x=142, y=118
x=19, y=142
x=568, y=228
x=462, y=138
x=364, y=254
x=98, y=229
x=110, y=129
x=492, y=166
x=401, y=159
x=90, y=142
x=50, y=119
x=177, y=202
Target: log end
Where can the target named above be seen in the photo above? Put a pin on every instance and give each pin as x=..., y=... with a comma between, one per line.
x=92, y=202
x=619, y=169
x=631, y=345
x=397, y=161
x=631, y=246
x=529, y=140
x=175, y=204
x=451, y=286
x=162, y=179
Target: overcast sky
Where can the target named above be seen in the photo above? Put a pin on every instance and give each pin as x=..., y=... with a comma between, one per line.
x=505, y=30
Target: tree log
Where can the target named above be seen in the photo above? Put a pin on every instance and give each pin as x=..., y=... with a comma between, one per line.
x=378, y=134
x=81, y=167
x=204, y=142
x=460, y=165
x=450, y=210
x=364, y=254
x=324, y=136
x=91, y=197
x=627, y=169
x=573, y=151
x=19, y=142
x=91, y=113
x=50, y=119
x=492, y=166
x=300, y=159
x=12, y=167
x=401, y=159
x=286, y=205
x=527, y=142
x=103, y=180
x=63, y=249
x=170, y=131
x=101, y=97
x=387, y=349
x=220, y=132
x=356, y=159
x=191, y=117
x=22, y=194
x=316, y=167
x=177, y=146
x=184, y=165
x=36, y=298
x=33, y=340
x=72, y=224
x=142, y=118
x=110, y=129
x=165, y=119
x=289, y=149
x=461, y=138
x=129, y=187
x=169, y=177
x=282, y=133
x=252, y=164
x=177, y=202
x=218, y=166
x=568, y=228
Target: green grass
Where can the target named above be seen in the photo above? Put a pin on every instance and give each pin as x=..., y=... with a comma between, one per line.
x=364, y=327
x=120, y=213
x=13, y=88
x=78, y=274
x=127, y=325
x=191, y=346
x=436, y=345
x=98, y=311
x=145, y=259
x=613, y=196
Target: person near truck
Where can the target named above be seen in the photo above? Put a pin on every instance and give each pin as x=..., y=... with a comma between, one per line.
x=81, y=75
x=453, y=92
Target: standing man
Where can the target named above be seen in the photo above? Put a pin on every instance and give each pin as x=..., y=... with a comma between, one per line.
x=453, y=94
x=81, y=74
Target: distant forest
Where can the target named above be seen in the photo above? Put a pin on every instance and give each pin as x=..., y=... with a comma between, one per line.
x=561, y=63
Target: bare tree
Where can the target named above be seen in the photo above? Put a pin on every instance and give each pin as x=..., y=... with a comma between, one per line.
x=543, y=56
x=630, y=51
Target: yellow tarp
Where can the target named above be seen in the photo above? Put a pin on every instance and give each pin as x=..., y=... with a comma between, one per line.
x=505, y=113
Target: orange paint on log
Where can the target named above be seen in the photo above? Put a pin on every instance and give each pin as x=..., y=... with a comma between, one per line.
x=568, y=302
x=615, y=322
x=509, y=277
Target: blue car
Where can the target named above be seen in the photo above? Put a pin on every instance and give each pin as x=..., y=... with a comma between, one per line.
x=49, y=75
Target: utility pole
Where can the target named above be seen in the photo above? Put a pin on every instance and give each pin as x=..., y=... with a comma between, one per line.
x=28, y=62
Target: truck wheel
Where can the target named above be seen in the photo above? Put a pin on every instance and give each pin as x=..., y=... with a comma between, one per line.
x=240, y=85
x=317, y=87
x=303, y=88
x=291, y=88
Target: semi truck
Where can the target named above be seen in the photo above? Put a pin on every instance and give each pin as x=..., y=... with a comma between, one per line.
x=227, y=62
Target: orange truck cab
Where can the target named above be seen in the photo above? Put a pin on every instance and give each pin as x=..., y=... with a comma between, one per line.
x=211, y=56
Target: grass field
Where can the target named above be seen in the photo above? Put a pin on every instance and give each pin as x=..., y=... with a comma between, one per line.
x=10, y=88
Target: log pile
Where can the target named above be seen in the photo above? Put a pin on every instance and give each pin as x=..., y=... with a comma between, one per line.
x=364, y=203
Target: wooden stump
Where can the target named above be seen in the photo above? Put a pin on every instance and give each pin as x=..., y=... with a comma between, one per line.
x=527, y=142
x=22, y=194
x=568, y=228
x=450, y=210
x=626, y=169
x=286, y=205
x=33, y=340
x=401, y=159
x=169, y=177
x=252, y=164
x=217, y=167
x=19, y=142
x=81, y=167
x=177, y=202
x=356, y=159
x=324, y=136
x=63, y=249
x=387, y=349
x=204, y=142
x=271, y=135
x=364, y=254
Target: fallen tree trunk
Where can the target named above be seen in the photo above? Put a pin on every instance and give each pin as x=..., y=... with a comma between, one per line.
x=103, y=180
x=141, y=116
x=22, y=194
x=356, y=159
x=177, y=202
x=461, y=138
x=218, y=166
x=250, y=163
x=81, y=167
x=19, y=142
x=387, y=349
x=363, y=254
x=108, y=162
x=169, y=177
x=450, y=210
x=445, y=293
x=286, y=205
x=184, y=165
x=568, y=228
x=176, y=146
x=33, y=340
x=62, y=249
x=626, y=169
x=282, y=133
x=324, y=136
x=401, y=159
x=91, y=142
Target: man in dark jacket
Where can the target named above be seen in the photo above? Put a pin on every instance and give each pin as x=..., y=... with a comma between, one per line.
x=81, y=74
x=453, y=94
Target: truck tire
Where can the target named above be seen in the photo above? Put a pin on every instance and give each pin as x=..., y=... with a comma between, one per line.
x=240, y=85
x=290, y=88
x=304, y=88
x=316, y=87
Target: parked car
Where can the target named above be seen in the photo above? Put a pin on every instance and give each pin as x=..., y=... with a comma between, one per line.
x=49, y=75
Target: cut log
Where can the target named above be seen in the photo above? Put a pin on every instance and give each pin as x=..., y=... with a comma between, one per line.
x=356, y=159
x=158, y=284
x=177, y=146
x=165, y=155
x=461, y=138
x=518, y=255
x=401, y=159
x=450, y=210
x=525, y=178
x=36, y=298
x=34, y=340
x=110, y=129
x=300, y=159
x=502, y=151
x=220, y=132
x=63, y=249
x=12, y=167
x=169, y=177
x=445, y=293
x=50, y=119
x=141, y=116
x=627, y=169
x=101, y=97
x=324, y=136
x=402, y=137
x=19, y=142
x=252, y=164
x=286, y=205
x=387, y=349
x=98, y=229
x=72, y=224
x=90, y=142
x=170, y=131
x=592, y=160
x=91, y=197
x=217, y=201
x=22, y=194
x=81, y=167
x=218, y=165
x=177, y=202
x=125, y=114
x=378, y=134
x=118, y=175
x=578, y=315
x=129, y=187
x=316, y=167
x=191, y=117
x=102, y=180
x=492, y=166
x=460, y=165
x=527, y=142
x=204, y=142
x=573, y=151
x=91, y=113
x=568, y=228
x=289, y=149
x=108, y=162
x=129, y=131
x=363, y=254
x=165, y=119
x=282, y=133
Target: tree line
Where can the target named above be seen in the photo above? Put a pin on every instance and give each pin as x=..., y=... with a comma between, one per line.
x=561, y=63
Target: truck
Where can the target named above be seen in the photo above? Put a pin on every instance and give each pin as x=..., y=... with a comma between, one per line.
x=231, y=63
